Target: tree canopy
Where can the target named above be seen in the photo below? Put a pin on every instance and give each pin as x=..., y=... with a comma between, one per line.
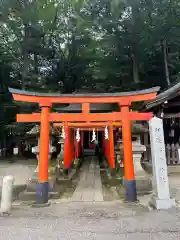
x=64, y=45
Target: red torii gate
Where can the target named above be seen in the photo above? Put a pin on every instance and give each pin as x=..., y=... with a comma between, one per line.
x=84, y=126
x=45, y=101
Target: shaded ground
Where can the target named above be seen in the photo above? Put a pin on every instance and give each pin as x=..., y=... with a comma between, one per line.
x=22, y=170
x=110, y=185
x=61, y=188
x=66, y=188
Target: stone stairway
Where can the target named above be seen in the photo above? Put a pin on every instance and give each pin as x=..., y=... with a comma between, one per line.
x=89, y=188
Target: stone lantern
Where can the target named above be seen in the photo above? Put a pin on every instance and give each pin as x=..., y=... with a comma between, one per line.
x=36, y=131
x=35, y=150
x=143, y=179
x=60, y=157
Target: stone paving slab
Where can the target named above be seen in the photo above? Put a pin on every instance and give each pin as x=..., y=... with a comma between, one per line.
x=98, y=193
x=90, y=186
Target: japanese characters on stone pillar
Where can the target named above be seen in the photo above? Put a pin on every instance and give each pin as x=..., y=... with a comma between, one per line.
x=161, y=199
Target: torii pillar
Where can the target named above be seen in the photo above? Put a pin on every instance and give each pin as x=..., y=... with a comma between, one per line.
x=43, y=186
x=111, y=147
x=129, y=175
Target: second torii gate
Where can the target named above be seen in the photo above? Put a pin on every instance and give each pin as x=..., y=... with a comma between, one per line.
x=45, y=101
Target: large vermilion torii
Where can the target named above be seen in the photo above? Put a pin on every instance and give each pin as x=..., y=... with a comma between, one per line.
x=46, y=100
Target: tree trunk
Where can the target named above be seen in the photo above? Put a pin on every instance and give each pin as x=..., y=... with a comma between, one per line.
x=135, y=39
x=135, y=69
x=36, y=64
x=25, y=58
x=165, y=56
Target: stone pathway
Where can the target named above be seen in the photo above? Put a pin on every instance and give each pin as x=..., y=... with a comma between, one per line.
x=89, y=188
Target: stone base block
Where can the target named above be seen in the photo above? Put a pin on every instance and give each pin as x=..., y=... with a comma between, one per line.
x=143, y=185
x=29, y=192
x=42, y=205
x=162, y=204
x=31, y=196
x=130, y=190
x=31, y=186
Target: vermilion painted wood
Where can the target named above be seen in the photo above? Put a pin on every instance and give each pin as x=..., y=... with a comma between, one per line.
x=85, y=108
x=72, y=146
x=67, y=146
x=125, y=116
x=88, y=128
x=124, y=100
x=44, y=145
x=111, y=147
x=127, y=143
x=72, y=117
x=82, y=117
x=136, y=116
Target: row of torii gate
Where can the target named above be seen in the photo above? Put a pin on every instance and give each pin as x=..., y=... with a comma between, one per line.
x=84, y=121
x=73, y=141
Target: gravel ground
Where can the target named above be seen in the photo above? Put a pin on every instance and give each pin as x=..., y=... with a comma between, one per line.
x=90, y=221
x=101, y=221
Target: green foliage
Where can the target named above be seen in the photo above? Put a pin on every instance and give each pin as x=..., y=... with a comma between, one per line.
x=63, y=45
x=58, y=45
